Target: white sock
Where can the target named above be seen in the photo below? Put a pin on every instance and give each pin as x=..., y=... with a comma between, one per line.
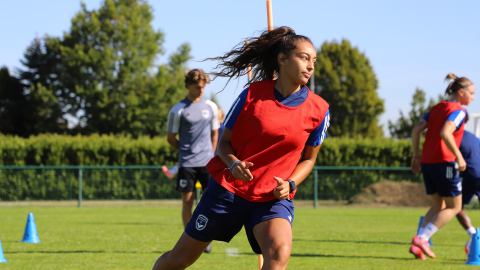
x=420, y=231
x=428, y=231
x=471, y=231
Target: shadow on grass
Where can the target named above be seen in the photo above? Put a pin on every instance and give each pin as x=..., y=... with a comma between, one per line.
x=125, y=223
x=352, y=241
x=83, y=251
x=349, y=257
x=371, y=242
x=59, y=251
x=368, y=257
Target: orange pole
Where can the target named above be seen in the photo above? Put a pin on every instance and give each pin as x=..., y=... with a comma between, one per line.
x=269, y=15
x=270, y=22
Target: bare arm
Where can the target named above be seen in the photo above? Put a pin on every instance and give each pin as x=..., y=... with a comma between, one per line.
x=447, y=136
x=172, y=140
x=303, y=169
x=417, y=130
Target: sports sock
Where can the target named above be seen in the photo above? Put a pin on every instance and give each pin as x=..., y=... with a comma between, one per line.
x=428, y=231
x=471, y=231
x=420, y=231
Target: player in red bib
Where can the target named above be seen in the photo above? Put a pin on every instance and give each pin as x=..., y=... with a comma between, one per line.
x=445, y=123
x=272, y=136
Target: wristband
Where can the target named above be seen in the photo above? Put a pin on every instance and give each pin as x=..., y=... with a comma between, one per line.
x=231, y=167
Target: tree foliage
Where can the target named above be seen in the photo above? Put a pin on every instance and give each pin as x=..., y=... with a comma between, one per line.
x=11, y=102
x=104, y=72
x=404, y=125
x=42, y=88
x=110, y=56
x=31, y=103
x=346, y=80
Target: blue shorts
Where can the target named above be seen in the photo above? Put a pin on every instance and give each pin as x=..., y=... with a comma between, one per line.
x=220, y=215
x=470, y=187
x=442, y=178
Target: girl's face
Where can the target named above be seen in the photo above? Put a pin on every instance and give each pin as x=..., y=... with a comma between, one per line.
x=299, y=64
x=468, y=95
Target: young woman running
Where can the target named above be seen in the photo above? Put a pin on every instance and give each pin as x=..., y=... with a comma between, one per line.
x=270, y=143
x=445, y=123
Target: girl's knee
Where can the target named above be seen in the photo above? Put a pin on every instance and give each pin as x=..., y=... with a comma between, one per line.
x=280, y=253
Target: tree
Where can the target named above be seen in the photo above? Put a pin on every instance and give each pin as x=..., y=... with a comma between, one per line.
x=31, y=103
x=169, y=84
x=45, y=98
x=102, y=71
x=108, y=54
x=11, y=102
x=346, y=80
x=108, y=58
x=404, y=125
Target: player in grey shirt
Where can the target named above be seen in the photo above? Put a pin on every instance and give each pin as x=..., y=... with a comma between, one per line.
x=195, y=123
x=195, y=120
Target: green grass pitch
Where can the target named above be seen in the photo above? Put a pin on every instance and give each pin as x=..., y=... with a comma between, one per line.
x=134, y=237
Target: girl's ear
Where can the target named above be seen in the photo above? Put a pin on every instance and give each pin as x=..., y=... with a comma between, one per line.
x=461, y=92
x=282, y=59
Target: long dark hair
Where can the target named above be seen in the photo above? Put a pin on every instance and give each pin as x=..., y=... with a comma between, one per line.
x=261, y=53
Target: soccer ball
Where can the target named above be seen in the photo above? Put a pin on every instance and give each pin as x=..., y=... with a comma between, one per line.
x=467, y=246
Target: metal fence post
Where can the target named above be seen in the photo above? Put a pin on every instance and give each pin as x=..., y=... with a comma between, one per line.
x=80, y=176
x=70, y=188
x=315, y=188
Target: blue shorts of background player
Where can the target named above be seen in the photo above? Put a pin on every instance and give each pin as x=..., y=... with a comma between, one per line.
x=442, y=178
x=220, y=215
x=470, y=187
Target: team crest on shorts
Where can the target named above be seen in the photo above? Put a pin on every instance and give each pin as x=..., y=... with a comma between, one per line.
x=201, y=222
x=205, y=113
x=183, y=183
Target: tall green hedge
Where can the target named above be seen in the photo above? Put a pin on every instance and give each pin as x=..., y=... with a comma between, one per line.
x=49, y=149
x=49, y=184
x=381, y=152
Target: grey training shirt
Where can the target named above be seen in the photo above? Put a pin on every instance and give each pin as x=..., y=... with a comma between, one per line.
x=194, y=122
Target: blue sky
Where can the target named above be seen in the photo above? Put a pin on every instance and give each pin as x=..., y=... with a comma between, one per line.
x=409, y=43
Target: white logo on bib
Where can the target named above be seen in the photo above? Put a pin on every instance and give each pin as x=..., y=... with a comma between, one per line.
x=183, y=183
x=205, y=113
x=201, y=222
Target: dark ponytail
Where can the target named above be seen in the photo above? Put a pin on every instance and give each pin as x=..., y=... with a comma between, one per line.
x=456, y=84
x=260, y=52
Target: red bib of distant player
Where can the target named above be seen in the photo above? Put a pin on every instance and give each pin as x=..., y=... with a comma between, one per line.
x=271, y=136
x=434, y=148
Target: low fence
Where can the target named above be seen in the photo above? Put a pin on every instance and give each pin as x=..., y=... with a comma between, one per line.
x=31, y=183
